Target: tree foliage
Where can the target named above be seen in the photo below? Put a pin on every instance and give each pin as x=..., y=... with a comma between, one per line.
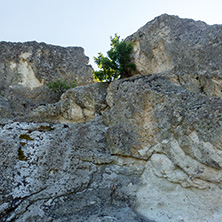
x=117, y=64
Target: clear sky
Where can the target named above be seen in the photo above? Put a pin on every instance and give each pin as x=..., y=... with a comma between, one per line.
x=90, y=23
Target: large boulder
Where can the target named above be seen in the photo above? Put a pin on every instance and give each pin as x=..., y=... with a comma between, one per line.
x=76, y=105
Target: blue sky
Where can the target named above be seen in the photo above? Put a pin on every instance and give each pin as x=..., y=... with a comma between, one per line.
x=90, y=23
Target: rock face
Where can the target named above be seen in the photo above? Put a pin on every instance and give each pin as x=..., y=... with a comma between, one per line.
x=79, y=104
x=64, y=173
x=146, y=148
x=179, y=136
x=26, y=67
x=187, y=51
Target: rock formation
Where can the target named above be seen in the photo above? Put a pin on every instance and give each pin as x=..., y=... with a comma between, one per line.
x=26, y=67
x=146, y=148
x=188, y=51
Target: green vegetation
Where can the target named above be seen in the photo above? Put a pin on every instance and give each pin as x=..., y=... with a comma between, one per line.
x=22, y=143
x=59, y=86
x=21, y=155
x=44, y=128
x=117, y=64
x=25, y=137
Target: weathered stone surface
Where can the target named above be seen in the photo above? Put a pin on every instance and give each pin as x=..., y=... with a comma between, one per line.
x=79, y=104
x=178, y=134
x=162, y=114
x=187, y=51
x=64, y=173
x=156, y=141
x=30, y=64
x=26, y=67
x=5, y=109
x=144, y=148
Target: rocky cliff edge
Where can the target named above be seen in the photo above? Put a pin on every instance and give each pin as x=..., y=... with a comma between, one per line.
x=146, y=148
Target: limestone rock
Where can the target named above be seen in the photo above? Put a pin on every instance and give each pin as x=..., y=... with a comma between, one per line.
x=64, y=173
x=79, y=104
x=178, y=134
x=30, y=64
x=150, y=151
x=5, y=109
x=26, y=67
x=146, y=148
x=187, y=51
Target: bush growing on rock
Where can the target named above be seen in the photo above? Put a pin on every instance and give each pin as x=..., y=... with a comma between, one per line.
x=117, y=64
x=59, y=86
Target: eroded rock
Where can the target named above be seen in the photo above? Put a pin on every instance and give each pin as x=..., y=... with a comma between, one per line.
x=5, y=109
x=187, y=51
x=79, y=104
x=138, y=149
x=26, y=67
x=67, y=174
x=178, y=133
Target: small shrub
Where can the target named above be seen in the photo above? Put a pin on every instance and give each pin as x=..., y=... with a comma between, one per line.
x=21, y=155
x=25, y=137
x=59, y=86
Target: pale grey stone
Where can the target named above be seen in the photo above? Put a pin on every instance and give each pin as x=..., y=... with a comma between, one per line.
x=187, y=51
x=146, y=148
x=25, y=68
x=76, y=105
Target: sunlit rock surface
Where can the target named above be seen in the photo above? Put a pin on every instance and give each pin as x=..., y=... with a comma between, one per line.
x=25, y=68
x=146, y=148
x=187, y=51
x=79, y=104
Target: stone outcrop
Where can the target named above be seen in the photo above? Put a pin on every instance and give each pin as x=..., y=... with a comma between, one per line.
x=146, y=148
x=64, y=173
x=187, y=51
x=179, y=136
x=79, y=104
x=26, y=67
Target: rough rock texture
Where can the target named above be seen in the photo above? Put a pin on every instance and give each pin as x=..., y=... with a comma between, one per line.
x=5, y=109
x=64, y=173
x=79, y=104
x=146, y=148
x=26, y=67
x=188, y=51
x=179, y=135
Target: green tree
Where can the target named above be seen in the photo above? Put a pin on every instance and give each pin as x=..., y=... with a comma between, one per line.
x=117, y=64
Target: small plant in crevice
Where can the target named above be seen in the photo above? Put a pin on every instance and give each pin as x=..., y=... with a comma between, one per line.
x=117, y=64
x=59, y=86
x=22, y=143
x=25, y=137
x=21, y=155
